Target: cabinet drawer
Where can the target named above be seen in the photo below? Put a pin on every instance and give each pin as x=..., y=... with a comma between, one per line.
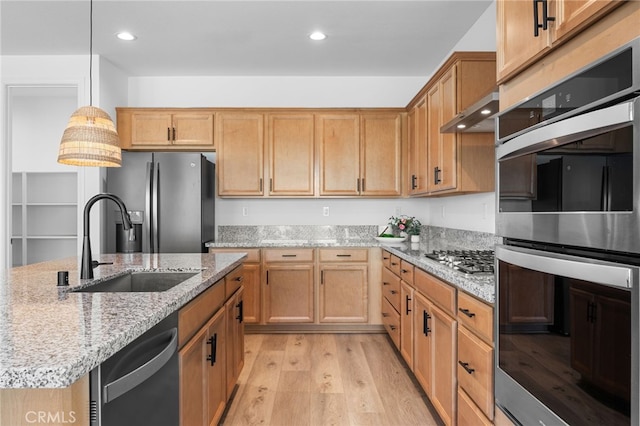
x=233, y=281
x=391, y=321
x=253, y=254
x=476, y=316
x=343, y=255
x=475, y=370
x=386, y=259
x=391, y=288
x=197, y=312
x=406, y=271
x=439, y=292
x=288, y=255
x=468, y=413
x=395, y=264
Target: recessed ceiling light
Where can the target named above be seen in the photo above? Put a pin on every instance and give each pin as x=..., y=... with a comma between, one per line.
x=317, y=36
x=126, y=36
x=485, y=111
x=461, y=126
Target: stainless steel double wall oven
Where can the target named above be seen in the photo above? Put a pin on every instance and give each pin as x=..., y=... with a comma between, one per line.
x=568, y=271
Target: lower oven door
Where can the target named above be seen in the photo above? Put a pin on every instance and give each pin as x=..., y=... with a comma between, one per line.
x=567, y=338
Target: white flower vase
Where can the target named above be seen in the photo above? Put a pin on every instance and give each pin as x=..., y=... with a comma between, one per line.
x=415, y=238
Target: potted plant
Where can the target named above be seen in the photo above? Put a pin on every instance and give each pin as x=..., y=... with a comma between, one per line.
x=404, y=225
x=413, y=229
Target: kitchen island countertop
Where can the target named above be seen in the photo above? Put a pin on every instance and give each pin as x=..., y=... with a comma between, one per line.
x=480, y=285
x=50, y=337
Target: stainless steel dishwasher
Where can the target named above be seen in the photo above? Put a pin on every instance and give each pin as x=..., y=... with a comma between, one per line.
x=139, y=385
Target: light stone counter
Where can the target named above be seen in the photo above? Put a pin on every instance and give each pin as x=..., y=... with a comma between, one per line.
x=49, y=338
x=433, y=238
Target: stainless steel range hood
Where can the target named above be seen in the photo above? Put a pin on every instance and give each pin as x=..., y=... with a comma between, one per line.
x=478, y=118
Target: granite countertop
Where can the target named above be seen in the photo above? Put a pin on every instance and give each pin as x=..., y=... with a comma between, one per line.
x=481, y=286
x=49, y=338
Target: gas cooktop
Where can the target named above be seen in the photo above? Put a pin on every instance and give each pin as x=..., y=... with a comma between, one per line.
x=466, y=261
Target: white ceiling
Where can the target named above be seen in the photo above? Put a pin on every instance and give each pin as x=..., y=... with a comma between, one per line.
x=247, y=38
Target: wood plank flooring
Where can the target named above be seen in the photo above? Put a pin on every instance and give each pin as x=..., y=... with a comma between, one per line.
x=326, y=379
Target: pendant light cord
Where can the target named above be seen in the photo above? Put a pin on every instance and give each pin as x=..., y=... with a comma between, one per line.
x=91, y=53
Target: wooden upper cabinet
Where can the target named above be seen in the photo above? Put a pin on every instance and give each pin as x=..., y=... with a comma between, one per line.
x=380, y=154
x=240, y=154
x=164, y=129
x=338, y=143
x=517, y=44
x=291, y=154
x=418, y=148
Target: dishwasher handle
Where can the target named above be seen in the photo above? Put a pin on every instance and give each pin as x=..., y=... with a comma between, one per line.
x=123, y=384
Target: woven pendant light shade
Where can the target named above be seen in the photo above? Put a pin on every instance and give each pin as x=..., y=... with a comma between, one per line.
x=90, y=139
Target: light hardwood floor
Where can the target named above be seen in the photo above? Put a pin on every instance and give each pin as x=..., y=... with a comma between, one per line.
x=326, y=379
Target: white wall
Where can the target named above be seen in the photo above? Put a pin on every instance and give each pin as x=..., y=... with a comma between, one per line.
x=310, y=92
x=464, y=212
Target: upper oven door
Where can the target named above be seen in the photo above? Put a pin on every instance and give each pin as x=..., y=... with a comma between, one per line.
x=573, y=182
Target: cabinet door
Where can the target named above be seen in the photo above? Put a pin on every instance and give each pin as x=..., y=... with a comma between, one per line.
x=193, y=129
x=443, y=358
x=338, y=140
x=150, y=129
x=573, y=15
x=406, y=323
x=288, y=293
x=193, y=385
x=418, y=148
x=343, y=293
x=380, y=155
x=202, y=374
x=235, y=339
x=516, y=44
x=422, y=331
x=291, y=154
x=251, y=302
x=442, y=107
x=215, y=367
x=240, y=154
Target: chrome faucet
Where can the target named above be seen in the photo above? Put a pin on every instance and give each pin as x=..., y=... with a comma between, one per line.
x=86, y=268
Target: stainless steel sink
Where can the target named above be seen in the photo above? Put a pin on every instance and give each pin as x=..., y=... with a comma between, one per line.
x=143, y=281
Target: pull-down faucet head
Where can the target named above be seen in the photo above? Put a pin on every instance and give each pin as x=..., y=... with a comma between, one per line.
x=87, y=265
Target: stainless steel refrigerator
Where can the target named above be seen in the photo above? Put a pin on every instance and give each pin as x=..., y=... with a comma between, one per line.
x=171, y=197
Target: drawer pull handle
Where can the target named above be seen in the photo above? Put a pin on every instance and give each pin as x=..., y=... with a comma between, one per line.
x=343, y=255
x=385, y=283
x=392, y=327
x=239, y=279
x=465, y=365
x=408, y=299
x=394, y=292
x=425, y=323
x=212, y=355
x=404, y=271
x=467, y=312
x=385, y=258
x=384, y=314
x=394, y=263
x=289, y=255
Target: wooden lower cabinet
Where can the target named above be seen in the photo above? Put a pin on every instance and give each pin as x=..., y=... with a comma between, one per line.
x=234, y=312
x=406, y=322
x=343, y=293
x=288, y=293
x=468, y=413
x=475, y=370
x=434, y=356
x=202, y=361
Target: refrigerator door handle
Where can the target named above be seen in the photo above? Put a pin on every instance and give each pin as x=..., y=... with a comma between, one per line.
x=156, y=212
x=147, y=204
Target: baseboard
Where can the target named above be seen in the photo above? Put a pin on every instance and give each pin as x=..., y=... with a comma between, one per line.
x=314, y=328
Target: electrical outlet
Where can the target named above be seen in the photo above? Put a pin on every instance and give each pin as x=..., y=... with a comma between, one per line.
x=442, y=211
x=245, y=211
x=325, y=211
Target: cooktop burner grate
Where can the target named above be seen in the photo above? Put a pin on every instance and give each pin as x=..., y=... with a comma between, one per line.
x=466, y=261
